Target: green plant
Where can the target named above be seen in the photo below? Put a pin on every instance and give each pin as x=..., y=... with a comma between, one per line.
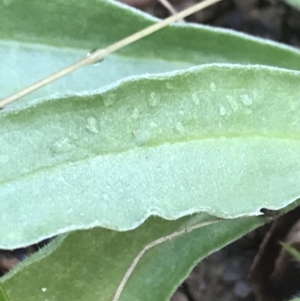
x=294, y=3
x=204, y=131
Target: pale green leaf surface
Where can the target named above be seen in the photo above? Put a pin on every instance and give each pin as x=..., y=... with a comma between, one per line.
x=63, y=31
x=294, y=3
x=89, y=265
x=219, y=139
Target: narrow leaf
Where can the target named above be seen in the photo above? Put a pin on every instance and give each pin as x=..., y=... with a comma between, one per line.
x=291, y=250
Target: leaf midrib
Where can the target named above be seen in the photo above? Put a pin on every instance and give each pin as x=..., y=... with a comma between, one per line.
x=149, y=146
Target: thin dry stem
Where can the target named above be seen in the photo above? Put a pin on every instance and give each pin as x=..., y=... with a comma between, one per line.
x=169, y=7
x=100, y=54
x=152, y=244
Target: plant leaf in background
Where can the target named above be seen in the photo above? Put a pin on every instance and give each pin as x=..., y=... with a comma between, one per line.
x=63, y=31
x=291, y=250
x=89, y=265
x=220, y=139
x=294, y=3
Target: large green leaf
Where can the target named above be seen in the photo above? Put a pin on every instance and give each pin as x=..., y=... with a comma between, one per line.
x=89, y=265
x=219, y=139
x=56, y=33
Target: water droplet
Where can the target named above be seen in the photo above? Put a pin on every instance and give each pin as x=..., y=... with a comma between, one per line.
x=213, y=87
x=195, y=98
x=180, y=127
x=153, y=124
x=93, y=52
x=44, y=289
x=223, y=111
x=61, y=146
x=92, y=125
x=109, y=99
x=169, y=86
x=232, y=102
x=246, y=100
x=135, y=114
x=153, y=100
x=142, y=137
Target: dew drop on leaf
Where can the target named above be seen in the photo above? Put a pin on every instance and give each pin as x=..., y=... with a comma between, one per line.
x=222, y=111
x=232, y=102
x=142, y=137
x=60, y=146
x=195, y=98
x=109, y=99
x=180, y=127
x=153, y=124
x=246, y=100
x=153, y=100
x=169, y=86
x=92, y=125
x=135, y=114
x=213, y=87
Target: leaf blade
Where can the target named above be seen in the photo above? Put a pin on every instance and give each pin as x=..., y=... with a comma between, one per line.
x=94, y=153
x=37, y=46
x=70, y=275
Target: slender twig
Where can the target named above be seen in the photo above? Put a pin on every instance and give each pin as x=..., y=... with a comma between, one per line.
x=100, y=54
x=152, y=244
x=170, y=8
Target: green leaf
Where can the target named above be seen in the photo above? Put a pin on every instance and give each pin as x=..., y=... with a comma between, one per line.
x=220, y=139
x=63, y=31
x=3, y=295
x=294, y=3
x=291, y=250
x=89, y=265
